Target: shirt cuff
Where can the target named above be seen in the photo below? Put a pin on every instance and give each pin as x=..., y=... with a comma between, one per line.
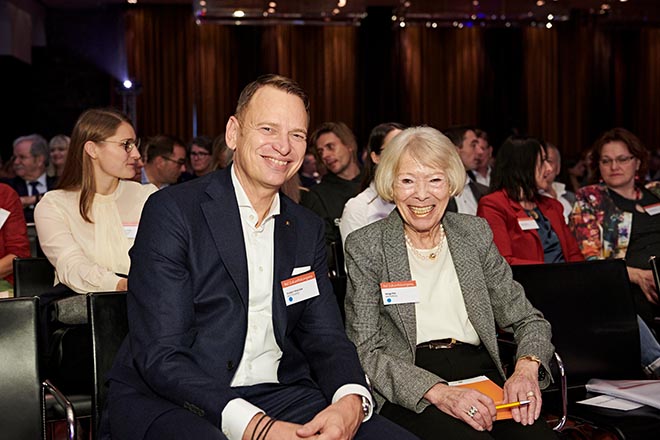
x=351, y=388
x=236, y=416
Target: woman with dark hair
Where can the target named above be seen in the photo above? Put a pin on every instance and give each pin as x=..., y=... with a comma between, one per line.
x=618, y=217
x=88, y=224
x=367, y=207
x=528, y=228
x=200, y=155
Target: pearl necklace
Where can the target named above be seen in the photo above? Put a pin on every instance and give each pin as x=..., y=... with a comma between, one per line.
x=434, y=250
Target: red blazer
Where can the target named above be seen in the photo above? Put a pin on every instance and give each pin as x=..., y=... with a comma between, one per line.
x=13, y=233
x=524, y=247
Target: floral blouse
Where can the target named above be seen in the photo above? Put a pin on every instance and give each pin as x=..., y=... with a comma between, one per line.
x=602, y=229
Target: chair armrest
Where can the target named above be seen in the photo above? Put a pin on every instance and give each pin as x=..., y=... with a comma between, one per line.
x=66, y=404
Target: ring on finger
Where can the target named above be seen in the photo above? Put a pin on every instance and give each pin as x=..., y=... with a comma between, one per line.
x=472, y=411
x=530, y=394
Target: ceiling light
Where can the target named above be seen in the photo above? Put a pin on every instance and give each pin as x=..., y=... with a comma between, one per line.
x=434, y=25
x=238, y=13
x=335, y=11
x=341, y=3
x=128, y=83
x=271, y=10
x=475, y=3
x=272, y=5
x=540, y=3
x=551, y=17
x=394, y=18
x=548, y=25
x=402, y=24
x=132, y=1
x=202, y=3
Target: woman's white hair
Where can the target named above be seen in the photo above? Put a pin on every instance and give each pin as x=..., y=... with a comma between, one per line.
x=427, y=146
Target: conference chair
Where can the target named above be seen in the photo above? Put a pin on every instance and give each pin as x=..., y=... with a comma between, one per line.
x=109, y=322
x=22, y=391
x=32, y=276
x=594, y=327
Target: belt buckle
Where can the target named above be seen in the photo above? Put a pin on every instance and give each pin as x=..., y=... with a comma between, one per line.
x=437, y=345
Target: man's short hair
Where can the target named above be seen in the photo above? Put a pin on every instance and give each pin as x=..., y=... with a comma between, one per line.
x=340, y=130
x=158, y=146
x=277, y=81
x=427, y=146
x=456, y=134
x=39, y=146
x=482, y=134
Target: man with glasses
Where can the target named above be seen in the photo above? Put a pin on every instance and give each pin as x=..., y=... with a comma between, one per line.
x=165, y=160
x=31, y=156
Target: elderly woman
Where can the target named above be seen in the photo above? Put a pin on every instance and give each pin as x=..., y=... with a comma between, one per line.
x=618, y=218
x=463, y=290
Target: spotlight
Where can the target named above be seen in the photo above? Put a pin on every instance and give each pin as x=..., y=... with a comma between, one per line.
x=127, y=84
x=238, y=13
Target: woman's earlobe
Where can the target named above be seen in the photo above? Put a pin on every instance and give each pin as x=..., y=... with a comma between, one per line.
x=90, y=149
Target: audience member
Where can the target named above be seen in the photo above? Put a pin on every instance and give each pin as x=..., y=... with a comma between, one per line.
x=654, y=166
x=222, y=343
x=335, y=146
x=201, y=158
x=573, y=173
x=484, y=158
x=309, y=173
x=222, y=155
x=557, y=190
x=616, y=219
x=59, y=146
x=410, y=347
x=31, y=157
x=466, y=142
x=164, y=161
x=88, y=224
x=528, y=227
x=13, y=235
x=368, y=206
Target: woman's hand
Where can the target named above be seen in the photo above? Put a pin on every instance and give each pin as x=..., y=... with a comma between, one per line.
x=524, y=385
x=122, y=285
x=644, y=279
x=460, y=403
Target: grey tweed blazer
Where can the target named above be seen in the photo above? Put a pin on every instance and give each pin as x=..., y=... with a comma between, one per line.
x=386, y=336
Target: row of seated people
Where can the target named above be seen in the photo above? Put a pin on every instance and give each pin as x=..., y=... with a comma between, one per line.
x=87, y=227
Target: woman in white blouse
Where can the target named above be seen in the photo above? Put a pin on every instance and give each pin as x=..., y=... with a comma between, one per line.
x=87, y=226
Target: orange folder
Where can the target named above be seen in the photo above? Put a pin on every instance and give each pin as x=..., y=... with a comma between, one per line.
x=489, y=388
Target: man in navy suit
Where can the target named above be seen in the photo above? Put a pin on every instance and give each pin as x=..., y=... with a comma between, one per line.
x=31, y=156
x=235, y=332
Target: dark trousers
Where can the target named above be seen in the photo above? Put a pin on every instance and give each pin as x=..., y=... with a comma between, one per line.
x=296, y=404
x=460, y=362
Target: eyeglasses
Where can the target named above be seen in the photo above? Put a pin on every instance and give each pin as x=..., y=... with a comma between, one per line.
x=621, y=160
x=179, y=162
x=127, y=144
x=199, y=154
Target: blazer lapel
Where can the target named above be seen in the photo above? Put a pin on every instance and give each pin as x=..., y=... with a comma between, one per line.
x=284, y=260
x=398, y=269
x=224, y=222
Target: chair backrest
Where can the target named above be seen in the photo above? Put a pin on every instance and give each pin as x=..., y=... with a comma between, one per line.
x=590, y=307
x=109, y=322
x=21, y=396
x=32, y=276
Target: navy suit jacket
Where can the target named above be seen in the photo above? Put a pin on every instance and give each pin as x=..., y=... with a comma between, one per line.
x=20, y=186
x=188, y=300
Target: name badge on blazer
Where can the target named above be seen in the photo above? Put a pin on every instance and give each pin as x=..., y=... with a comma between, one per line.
x=300, y=288
x=4, y=215
x=527, y=223
x=399, y=292
x=653, y=209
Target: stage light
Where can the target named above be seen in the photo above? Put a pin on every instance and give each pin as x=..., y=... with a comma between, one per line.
x=127, y=84
x=238, y=13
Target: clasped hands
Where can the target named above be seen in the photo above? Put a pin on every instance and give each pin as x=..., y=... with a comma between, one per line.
x=478, y=410
x=339, y=421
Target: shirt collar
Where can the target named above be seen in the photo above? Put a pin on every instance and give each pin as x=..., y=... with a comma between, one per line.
x=244, y=201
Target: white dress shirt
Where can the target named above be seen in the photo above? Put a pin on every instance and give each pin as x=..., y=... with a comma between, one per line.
x=466, y=202
x=261, y=354
x=42, y=186
x=484, y=180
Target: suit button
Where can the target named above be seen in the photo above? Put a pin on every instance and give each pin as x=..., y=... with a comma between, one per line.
x=230, y=365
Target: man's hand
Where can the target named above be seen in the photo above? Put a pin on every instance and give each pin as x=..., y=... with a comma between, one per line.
x=339, y=421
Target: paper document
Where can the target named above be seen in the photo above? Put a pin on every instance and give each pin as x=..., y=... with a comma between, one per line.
x=611, y=403
x=646, y=392
x=487, y=387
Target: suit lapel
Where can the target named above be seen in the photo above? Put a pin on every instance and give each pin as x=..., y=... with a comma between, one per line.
x=284, y=260
x=224, y=222
x=398, y=269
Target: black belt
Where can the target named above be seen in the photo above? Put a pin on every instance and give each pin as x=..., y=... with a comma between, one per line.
x=440, y=344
